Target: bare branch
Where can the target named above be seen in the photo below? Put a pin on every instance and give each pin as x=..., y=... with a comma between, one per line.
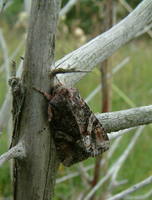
x=145, y=196
x=115, y=69
x=123, y=96
x=6, y=107
x=124, y=156
x=5, y=4
x=72, y=175
x=17, y=151
x=108, y=175
x=85, y=176
x=132, y=189
x=5, y=53
x=113, y=147
x=129, y=9
x=5, y=111
x=101, y=47
x=114, y=135
x=126, y=5
x=15, y=52
x=115, y=121
x=100, y=183
x=67, y=7
x=146, y=29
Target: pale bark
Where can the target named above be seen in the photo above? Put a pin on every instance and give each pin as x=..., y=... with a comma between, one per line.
x=147, y=195
x=114, y=135
x=67, y=7
x=124, y=156
x=104, y=45
x=114, y=70
x=17, y=151
x=35, y=176
x=133, y=188
x=129, y=9
x=27, y=6
x=120, y=120
x=5, y=55
x=5, y=111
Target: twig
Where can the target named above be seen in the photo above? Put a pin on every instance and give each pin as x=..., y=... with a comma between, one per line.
x=6, y=107
x=67, y=7
x=105, y=178
x=84, y=174
x=5, y=54
x=114, y=135
x=114, y=70
x=132, y=189
x=145, y=196
x=5, y=111
x=17, y=151
x=4, y=4
x=72, y=175
x=124, y=156
x=14, y=54
x=129, y=9
x=100, y=183
x=105, y=44
x=115, y=121
x=123, y=96
x=113, y=147
x=146, y=29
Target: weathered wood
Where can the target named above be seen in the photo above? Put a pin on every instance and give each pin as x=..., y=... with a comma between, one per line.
x=119, y=120
x=104, y=45
x=34, y=177
x=17, y=151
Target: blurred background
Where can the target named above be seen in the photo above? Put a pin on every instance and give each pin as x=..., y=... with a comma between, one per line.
x=129, y=84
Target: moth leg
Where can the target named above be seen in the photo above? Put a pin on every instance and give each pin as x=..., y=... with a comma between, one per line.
x=45, y=94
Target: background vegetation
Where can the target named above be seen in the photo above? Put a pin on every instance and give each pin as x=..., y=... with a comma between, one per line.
x=134, y=80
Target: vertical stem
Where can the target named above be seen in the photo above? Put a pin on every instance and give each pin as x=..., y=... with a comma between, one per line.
x=106, y=82
x=34, y=177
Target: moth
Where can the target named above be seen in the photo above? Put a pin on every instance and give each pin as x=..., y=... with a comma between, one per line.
x=77, y=133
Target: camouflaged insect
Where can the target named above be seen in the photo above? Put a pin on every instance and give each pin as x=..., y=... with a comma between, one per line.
x=77, y=132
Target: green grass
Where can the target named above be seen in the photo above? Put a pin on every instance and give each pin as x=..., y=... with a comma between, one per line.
x=135, y=81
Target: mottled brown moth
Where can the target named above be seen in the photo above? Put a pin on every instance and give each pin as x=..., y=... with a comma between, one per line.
x=77, y=132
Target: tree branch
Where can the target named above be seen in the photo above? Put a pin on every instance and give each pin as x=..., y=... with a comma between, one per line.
x=101, y=47
x=129, y=9
x=5, y=55
x=132, y=189
x=67, y=7
x=14, y=54
x=114, y=135
x=17, y=151
x=114, y=70
x=124, y=156
x=6, y=107
x=145, y=196
x=115, y=121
